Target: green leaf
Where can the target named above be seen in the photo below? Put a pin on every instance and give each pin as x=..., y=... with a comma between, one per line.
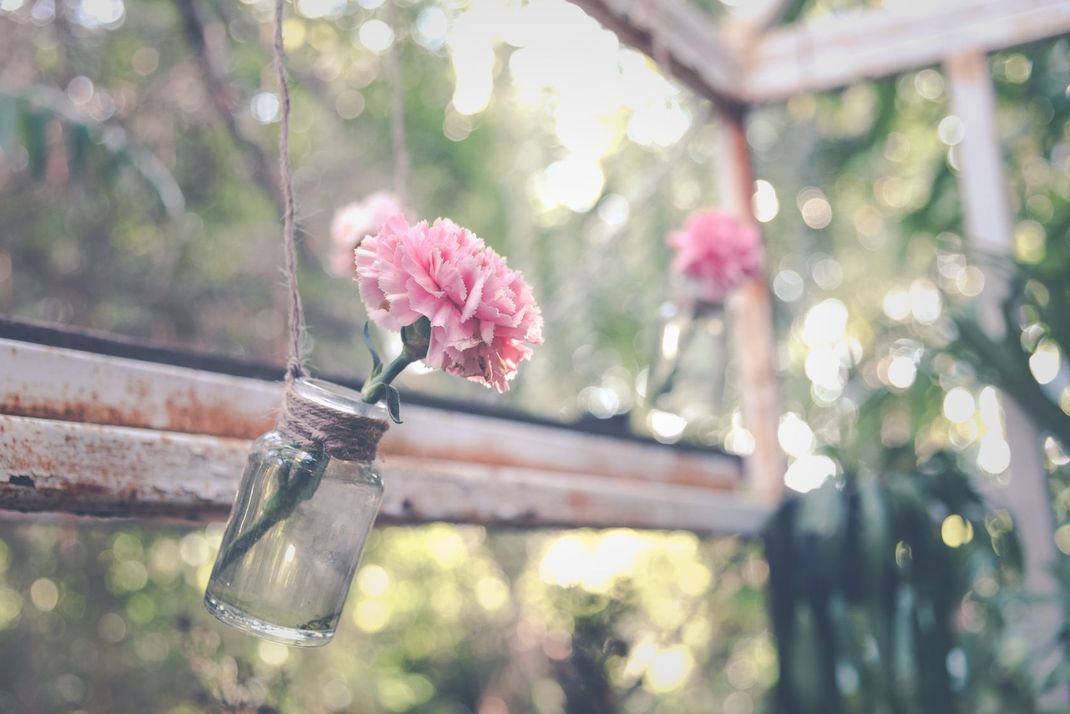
x=393, y=403
x=39, y=107
x=377, y=363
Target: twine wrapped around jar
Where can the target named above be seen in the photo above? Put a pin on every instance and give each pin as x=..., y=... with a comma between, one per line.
x=317, y=423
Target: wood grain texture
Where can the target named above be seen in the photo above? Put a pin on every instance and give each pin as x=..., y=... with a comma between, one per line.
x=71, y=385
x=102, y=470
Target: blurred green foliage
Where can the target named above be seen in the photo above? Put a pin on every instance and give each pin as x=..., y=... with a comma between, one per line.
x=871, y=583
x=867, y=262
x=441, y=619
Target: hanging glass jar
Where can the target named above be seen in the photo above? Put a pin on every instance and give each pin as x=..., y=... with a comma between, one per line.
x=714, y=254
x=687, y=375
x=305, y=506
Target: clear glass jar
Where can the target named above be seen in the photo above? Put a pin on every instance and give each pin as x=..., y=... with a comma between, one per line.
x=689, y=390
x=296, y=533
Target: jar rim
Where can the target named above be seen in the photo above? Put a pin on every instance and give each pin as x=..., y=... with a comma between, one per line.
x=335, y=396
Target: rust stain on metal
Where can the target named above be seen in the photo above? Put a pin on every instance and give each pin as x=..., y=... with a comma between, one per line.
x=186, y=412
x=580, y=503
x=73, y=410
x=679, y=473
x=193, y=415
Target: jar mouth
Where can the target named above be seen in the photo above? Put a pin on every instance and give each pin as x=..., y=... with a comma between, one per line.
x=339, y=398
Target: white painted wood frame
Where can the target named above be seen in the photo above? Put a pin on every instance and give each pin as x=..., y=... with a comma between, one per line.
x=737, y=65
x=989, y=232
x=107, y=435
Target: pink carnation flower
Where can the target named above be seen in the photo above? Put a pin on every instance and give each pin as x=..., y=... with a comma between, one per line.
x=717, y=253
x=353, y=222
x=483, y=315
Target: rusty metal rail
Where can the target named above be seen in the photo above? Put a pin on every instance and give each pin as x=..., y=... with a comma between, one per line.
x=109, y=435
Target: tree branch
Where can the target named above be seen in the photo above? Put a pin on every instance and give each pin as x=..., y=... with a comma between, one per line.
x=222, y=97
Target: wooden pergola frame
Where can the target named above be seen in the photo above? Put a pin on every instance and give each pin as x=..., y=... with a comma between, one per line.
x=743, y=65
x=102, y=426
x=750, y=63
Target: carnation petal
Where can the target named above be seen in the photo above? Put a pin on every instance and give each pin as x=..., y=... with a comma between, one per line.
x=481, y=312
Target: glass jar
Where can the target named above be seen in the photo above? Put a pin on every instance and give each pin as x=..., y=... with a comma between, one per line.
x=687, y=382
x=297, y=530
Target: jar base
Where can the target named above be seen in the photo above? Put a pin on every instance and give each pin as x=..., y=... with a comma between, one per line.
x=241, y=620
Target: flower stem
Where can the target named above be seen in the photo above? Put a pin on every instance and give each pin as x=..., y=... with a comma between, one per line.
x=375, y=387
x=298, y=479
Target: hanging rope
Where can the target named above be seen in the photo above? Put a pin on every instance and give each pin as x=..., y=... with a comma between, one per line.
x=304, y=418
x=295, y=367
x=397, y=110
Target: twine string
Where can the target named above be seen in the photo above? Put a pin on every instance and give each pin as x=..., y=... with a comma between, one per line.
x=303, y=421
x=295, y=367
x=342, y=435
x=397, y=110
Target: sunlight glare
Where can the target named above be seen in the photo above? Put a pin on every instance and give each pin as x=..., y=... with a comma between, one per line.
x=925, y=301
x=573, y=182
x=669, y=669
x=376, y=35
x=959, y=405
x=956, y=531
x=765, y=204
x=825, y=323
x=902, y=371
x=809, y=472
x=795, y=436
x=1046, y=362
x=667, y=427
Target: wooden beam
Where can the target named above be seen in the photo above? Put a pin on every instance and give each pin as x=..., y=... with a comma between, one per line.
x=48, y=465
x=680, y=37
x=847, y=47
x=750, y=19
x=989, y=231
x=750, y=323
x=72, y=385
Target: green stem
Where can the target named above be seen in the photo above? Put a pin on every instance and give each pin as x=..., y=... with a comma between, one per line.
x=293, y=489
x=248, y=539
x=375, y=387
x=306, y=478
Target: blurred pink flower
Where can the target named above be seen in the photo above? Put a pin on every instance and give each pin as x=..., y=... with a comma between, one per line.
x=483, y=315
x=353, y=222
x=717, y=253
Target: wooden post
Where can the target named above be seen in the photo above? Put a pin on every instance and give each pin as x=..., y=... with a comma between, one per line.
x=989, y=230
x=751, y=327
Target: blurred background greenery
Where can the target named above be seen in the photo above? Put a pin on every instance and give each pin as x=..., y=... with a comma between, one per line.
x=136, y=195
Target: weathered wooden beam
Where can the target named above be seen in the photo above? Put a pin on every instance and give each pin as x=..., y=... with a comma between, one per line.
x=48, y=465
x=750, y=19
x=850, y=46
x=739, y=66
x=71, y=385
x=680, y=37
